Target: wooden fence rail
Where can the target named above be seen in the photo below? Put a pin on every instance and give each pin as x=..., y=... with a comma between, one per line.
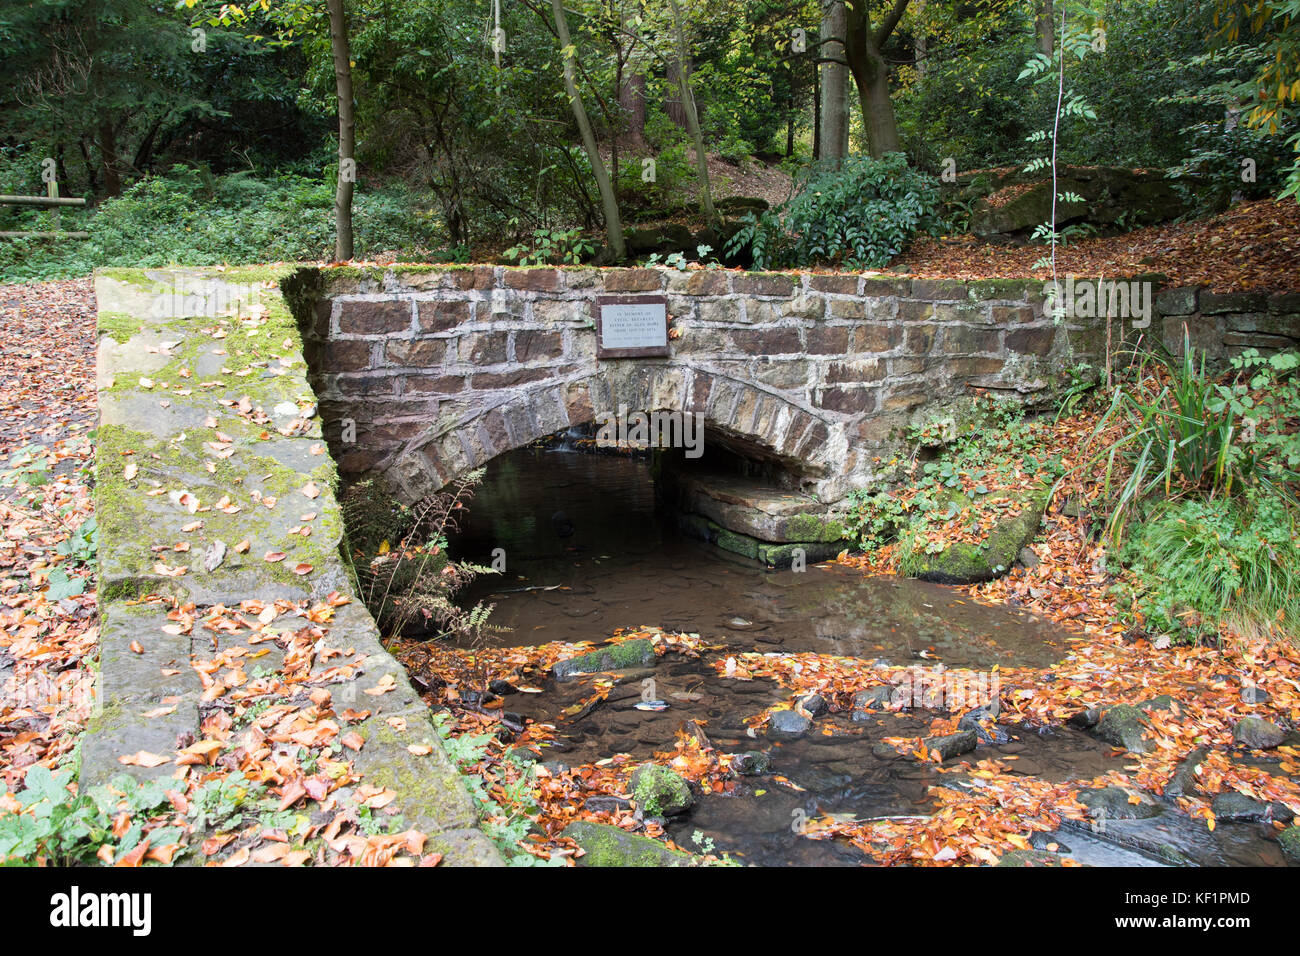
x=53, y=201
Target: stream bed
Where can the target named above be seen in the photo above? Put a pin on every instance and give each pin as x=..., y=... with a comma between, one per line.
x=587, y=552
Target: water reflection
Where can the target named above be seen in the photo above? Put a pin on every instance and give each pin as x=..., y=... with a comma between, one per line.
x=586, y=552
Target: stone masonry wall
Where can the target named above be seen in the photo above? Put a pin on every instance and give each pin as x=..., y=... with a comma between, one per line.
x=442, y=368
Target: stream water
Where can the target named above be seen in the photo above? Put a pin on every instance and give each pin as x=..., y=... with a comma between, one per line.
x=587, y=552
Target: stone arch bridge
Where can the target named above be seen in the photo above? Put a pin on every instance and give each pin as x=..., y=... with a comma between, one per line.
x=426, y=372
x=810, y=379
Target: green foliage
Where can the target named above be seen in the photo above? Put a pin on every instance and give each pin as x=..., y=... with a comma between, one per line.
x=507, y=815
x=859, y=215
x=399, y=556
x=1218, y=558
x=1186, y=433
x=553, y=246
x=194, y=218
x=1211, y=172
x=995, y=448
x=56, y=827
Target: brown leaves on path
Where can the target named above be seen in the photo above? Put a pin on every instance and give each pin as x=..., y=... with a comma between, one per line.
x=48, y=633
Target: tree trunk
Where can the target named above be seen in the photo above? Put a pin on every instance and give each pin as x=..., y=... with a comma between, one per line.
x=347, y=131
x=1046, y=30
x=693, y=124
x=631, y=97
x=833, y=132
x=817, y=114
x=919, y=42
x=608, y=201
x=108, y=158
x=862, y=47
x=673, y=106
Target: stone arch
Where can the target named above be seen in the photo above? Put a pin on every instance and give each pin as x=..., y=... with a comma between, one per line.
x=753, y=418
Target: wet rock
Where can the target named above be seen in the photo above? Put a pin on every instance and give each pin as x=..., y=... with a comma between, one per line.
x=1114, y=803
x=1029, y=858
x=606, y=804
x=952, y=745
x=1183, y=782
x=1290, y=841
x=555, y=766
x=658, y=791
x=1042, y=841
x=605, y=845
x=1121, y=725
x=1256, y=733
x=865, y=702
x=1163, y=702
x=1281, y=812
x=1085, y=719
x=819, y=779
x=523, y=755
x=751, y=763
x=615, y=657
x=980, y=720
x=501, y=687
x=814, y=704
x=1232, y=806
x=787, y=725
x=1027, y=558
x=883, y=751
x=1255, y=695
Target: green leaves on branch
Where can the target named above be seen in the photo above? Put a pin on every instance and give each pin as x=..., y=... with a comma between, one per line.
x=859, y=215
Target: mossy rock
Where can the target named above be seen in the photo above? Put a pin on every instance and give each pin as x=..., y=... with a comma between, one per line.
x=605, y=845
x=964, y=563
x=1290, y=841
x=783, y=555
x=614, y=657
x=660, y=792
x=1029, y=858
x=1122, y=726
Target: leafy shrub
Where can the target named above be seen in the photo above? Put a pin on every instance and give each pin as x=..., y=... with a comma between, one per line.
x=1218, y=558
x=193, y=218
x=552, y=246
x=1186, y=433
x=858, y=215
x=52, y=826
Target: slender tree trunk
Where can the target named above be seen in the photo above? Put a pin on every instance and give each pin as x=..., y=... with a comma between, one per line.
x=631, y=97
x=817, y=114
x=833, y=132
x=1046, y=31
x=608, y=201
x=919, y=43
x=347, y=131
x=862, y=47
x=108, y=158
x=693, y=124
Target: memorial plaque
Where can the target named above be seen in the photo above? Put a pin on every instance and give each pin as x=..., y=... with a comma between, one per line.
x=631, y=326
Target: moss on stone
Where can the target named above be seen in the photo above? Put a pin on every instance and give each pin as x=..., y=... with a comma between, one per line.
x=605, y=845
x=808, y=527
x=734, y=542
x=118, y=326
x=965, y=563
x=659, y=791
